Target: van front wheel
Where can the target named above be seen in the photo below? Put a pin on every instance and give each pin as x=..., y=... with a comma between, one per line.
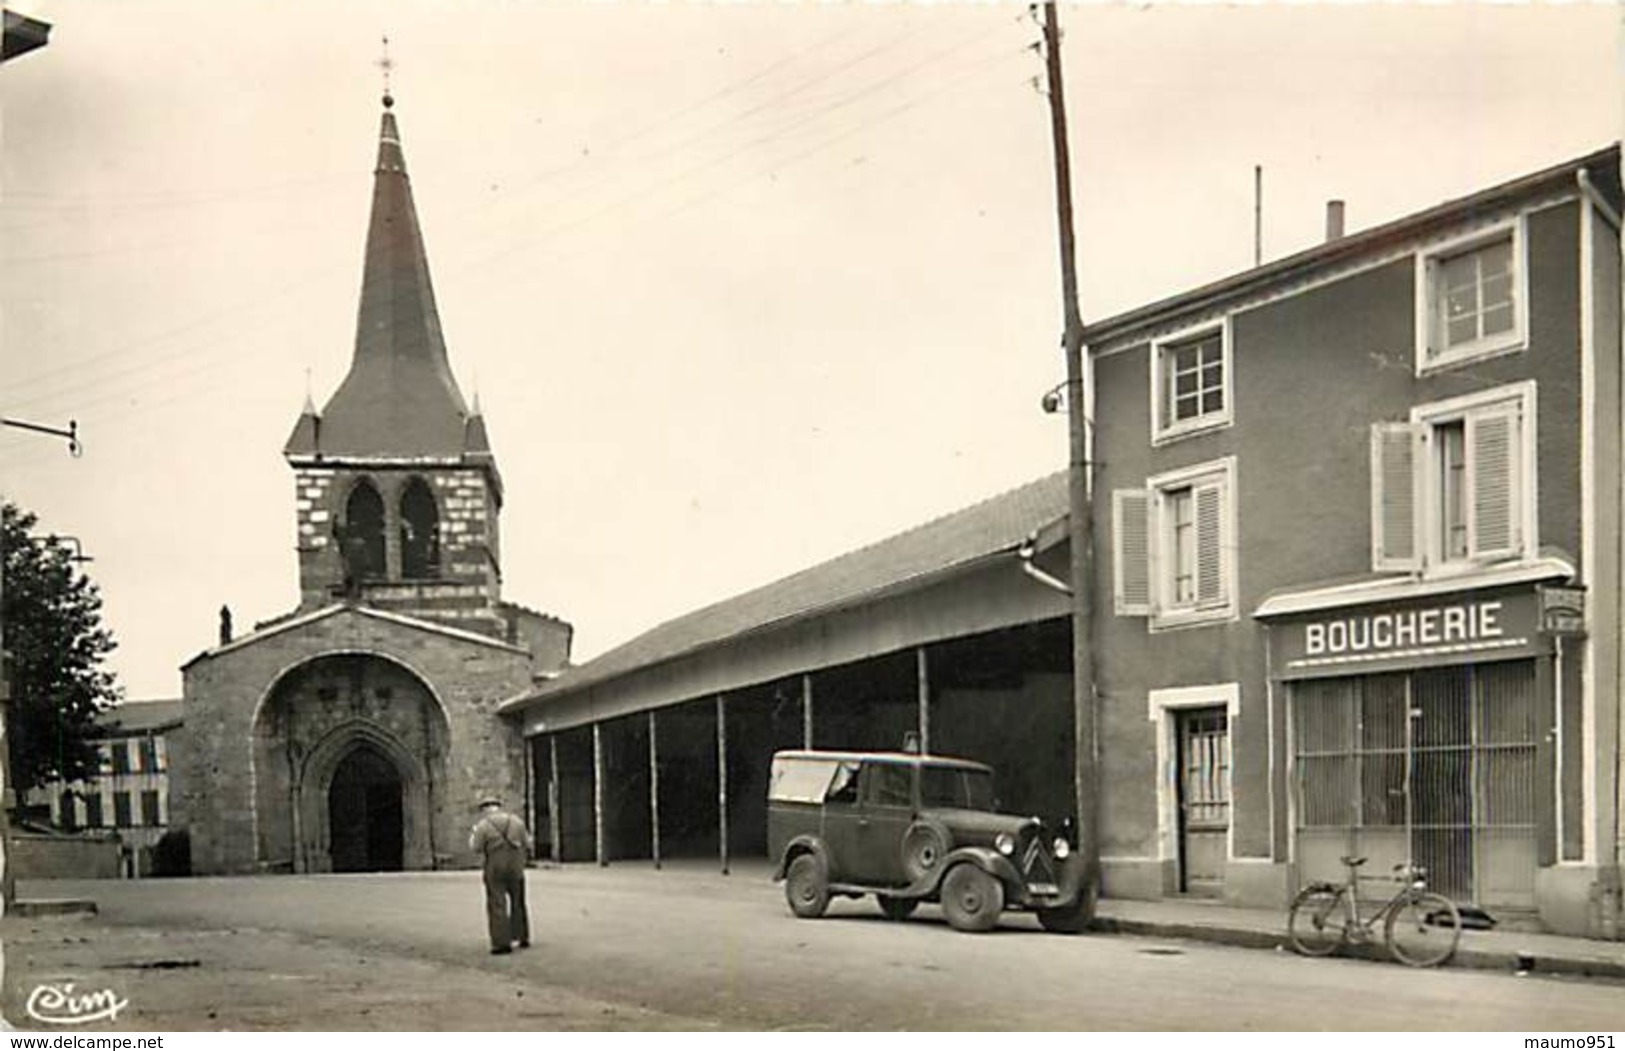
x=971, y=898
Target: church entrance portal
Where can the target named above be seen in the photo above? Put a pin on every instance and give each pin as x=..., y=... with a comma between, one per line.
x=365, y=813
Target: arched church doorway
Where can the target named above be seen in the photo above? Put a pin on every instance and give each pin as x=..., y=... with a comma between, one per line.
x=365, y=813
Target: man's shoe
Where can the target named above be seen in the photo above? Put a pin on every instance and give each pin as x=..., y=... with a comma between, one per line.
x=501, y=950
x=524, y=943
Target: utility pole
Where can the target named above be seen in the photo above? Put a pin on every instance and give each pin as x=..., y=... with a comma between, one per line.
x=1081, y=527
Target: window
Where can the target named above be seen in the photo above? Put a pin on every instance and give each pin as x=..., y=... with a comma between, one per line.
x=954, y=787
x=68, y=815
x=149, y=755
x=121, y=809
x=1174, y=548
x=121, y=757
x=1190, y=383
x=891, y=784
x=93, y=810
x=1471, y=300
x=1455, y=485
x=420, y=532
x=149, y=808
x=844, y=787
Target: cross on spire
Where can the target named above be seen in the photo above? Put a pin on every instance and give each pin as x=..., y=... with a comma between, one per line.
x=385, y=63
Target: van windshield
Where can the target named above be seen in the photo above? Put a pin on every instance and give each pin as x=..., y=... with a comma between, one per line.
x=954, y=787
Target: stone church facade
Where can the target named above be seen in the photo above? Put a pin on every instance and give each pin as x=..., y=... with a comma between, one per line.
x=357, y=732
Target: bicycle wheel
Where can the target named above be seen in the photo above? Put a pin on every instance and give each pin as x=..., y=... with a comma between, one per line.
x=1318, y=922
x=1423, y=930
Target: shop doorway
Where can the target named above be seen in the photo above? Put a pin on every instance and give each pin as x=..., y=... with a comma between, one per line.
x=1436, y=767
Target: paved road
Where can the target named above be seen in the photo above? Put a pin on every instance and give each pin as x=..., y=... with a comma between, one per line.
x=700, y=945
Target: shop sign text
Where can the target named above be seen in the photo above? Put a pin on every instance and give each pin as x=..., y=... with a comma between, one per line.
x=1434, y=626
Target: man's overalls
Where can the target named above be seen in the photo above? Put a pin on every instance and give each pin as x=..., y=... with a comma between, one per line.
x=505, y=912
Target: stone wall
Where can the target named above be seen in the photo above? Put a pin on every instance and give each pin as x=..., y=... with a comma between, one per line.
x=64, y=857
x=470, y=579
x=215, y=789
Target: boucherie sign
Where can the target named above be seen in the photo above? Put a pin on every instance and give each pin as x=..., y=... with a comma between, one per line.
x=1440, y=630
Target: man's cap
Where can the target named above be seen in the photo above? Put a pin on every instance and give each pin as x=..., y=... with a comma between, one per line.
x=490, y=800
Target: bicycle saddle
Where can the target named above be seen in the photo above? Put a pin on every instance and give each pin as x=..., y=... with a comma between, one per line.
x=1353, y=863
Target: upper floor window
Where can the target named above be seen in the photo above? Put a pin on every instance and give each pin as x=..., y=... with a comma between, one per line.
x=1174, y=546
x=1472, y=299
x=1190, y=382
x=149, y=808
x=121, y=757
x=420, y=532
x=1455, y=484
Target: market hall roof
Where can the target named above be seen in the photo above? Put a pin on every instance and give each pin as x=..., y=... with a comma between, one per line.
x=999, y=525
x=400, y=401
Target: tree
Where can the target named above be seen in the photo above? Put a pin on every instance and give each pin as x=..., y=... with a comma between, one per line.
x=55, y=644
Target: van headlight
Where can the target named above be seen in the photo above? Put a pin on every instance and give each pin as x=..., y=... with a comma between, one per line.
x=1061, y=848
x=1004, y=843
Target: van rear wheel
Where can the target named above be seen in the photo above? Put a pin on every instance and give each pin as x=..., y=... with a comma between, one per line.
x=806, y=888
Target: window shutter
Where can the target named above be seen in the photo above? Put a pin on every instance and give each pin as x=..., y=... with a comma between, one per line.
x=1394, y=463
x=1210, y=576
x=1494, y=530
x=1131, y=554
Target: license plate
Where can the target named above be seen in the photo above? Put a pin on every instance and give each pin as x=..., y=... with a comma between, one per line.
x=1043, y=888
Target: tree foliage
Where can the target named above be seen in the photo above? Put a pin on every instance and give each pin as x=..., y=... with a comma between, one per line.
x=53, y=634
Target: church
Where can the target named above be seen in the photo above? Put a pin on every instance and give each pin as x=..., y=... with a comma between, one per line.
x=357, y=732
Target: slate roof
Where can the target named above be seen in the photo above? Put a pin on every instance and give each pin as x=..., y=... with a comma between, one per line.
x=400, y=400
x=136, y=717
x=998, y=524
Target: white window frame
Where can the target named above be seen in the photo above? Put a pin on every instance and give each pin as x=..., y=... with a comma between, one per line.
x=1525, y=501
x=1161, y=708
x=1164, y=615
x=1427, y=484
x=1431, y=355
x=1163, y=431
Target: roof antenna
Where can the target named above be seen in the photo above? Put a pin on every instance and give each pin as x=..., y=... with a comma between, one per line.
x=310, y=401
x=386, y=64
x=1258, y=214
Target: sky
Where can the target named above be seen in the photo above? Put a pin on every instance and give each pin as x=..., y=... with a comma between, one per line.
x=739, y=286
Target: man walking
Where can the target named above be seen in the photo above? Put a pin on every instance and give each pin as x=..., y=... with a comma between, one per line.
x=503, y=843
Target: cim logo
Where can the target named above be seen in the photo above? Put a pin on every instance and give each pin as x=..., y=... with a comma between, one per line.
x=60, y=1005
x=1377, y=632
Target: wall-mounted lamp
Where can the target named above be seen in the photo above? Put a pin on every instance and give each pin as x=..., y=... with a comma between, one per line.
x=1054, y=399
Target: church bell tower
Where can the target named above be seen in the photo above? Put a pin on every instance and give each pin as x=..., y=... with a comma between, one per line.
x=397, y=491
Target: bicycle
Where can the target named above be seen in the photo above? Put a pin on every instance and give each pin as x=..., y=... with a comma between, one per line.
x=1422, y=928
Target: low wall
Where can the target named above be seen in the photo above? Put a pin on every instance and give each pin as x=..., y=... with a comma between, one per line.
x=33, y=856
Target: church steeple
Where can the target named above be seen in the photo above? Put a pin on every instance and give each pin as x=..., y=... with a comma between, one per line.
x=398, y=490
x=400, y=399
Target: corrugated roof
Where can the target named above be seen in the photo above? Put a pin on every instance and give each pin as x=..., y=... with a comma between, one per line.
x=134, y=717
x=997, y=524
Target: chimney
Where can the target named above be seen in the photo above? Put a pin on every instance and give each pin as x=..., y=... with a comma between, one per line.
x=1334, y=220
x=225, y=625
